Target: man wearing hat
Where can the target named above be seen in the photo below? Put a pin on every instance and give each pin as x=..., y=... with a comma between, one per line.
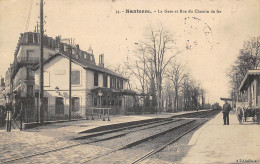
x=226, y=109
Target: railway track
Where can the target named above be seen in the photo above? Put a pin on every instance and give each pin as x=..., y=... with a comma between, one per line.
x=33, y=154
x=119, y=154
x=103, y=137
x=160, y=148
x=119, y=157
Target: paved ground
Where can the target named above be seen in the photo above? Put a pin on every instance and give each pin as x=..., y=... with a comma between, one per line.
x=17, y=143
x=218, y=143
x=213, y=143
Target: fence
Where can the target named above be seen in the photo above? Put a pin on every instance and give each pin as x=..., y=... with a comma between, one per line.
x=55, y=113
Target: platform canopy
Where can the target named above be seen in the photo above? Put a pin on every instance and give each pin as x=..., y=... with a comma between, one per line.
x=248, y=77
x=228, y=99
x=109, y=90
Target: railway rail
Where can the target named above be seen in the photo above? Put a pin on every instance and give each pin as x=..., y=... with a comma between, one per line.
x=104, y=136
x=123, y=158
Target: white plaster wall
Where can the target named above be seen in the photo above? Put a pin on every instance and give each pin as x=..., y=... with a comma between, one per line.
x=108, y=81
x=36, y=51
x=58, y=69
x=89, y=79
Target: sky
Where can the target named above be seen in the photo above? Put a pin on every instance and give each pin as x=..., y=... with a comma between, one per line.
x=213, y=39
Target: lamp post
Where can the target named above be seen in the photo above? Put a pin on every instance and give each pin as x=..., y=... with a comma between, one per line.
x=17, y=101
x=37, y=95
x=8, y=112
x=142, y=103
x=151, y=98
x=100, y=94
x=57, y=90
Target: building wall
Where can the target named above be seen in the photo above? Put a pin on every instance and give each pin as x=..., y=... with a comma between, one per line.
x=56, y=74
x=35, y=48
x=252, y=93
x=19, y=83
x=89, y=79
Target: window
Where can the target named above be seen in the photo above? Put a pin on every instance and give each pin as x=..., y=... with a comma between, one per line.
x=30, y=38
x=29, y=56
x=35, y=38
x=59, y=106
x=75, y=77
x=95, y=79
x=95, y=102
x=121, y=84
x=105, y=81
x=113, y=83
x=118, y=84
x=104, y=102
x=29, y=90
x=75, y=104
x=29, y=73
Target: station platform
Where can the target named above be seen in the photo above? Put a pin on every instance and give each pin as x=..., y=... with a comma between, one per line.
x=218, y=143
x=68, y=130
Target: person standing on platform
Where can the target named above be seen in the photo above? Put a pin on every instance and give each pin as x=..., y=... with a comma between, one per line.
x=226, y=109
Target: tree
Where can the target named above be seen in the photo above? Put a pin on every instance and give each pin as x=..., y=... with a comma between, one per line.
x=176, y=75
x=248, y=59
x=158, y=43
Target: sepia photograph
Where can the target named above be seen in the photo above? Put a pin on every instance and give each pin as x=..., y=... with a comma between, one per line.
x=130, y=81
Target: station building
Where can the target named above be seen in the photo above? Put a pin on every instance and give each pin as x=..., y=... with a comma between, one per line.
x=88, y=80
x=250, y=88
x=93, y=86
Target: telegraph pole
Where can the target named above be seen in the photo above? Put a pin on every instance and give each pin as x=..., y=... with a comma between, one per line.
x=70, y=52
x=41, y=62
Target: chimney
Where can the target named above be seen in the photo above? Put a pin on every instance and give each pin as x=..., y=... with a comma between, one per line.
x=90, y=51
x=101, y=60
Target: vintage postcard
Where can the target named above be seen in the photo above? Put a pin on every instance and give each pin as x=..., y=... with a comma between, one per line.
x=130, y=81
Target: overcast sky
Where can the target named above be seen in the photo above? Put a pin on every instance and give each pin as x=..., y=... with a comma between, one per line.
x=215, y=38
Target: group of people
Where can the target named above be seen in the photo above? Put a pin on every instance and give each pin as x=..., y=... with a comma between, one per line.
x=227, y=108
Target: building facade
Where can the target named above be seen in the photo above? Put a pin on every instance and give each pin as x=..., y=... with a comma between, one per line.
x=88, y=80
x=250, y=89
x=92, y=86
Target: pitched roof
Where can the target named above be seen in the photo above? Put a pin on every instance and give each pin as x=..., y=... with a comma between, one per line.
x=246, y=78
x=84, y=63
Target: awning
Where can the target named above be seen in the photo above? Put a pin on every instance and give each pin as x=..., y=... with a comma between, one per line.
x=246, y=80
x=102, y=89
x=228, y=99
x=110, y=90
x=128, y=92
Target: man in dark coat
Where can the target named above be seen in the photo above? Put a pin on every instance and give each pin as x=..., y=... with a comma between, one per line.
x=226, y=109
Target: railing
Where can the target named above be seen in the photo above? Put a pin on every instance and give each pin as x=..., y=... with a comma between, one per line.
x=31, y=113
x=33, y=60
x=101, y=112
